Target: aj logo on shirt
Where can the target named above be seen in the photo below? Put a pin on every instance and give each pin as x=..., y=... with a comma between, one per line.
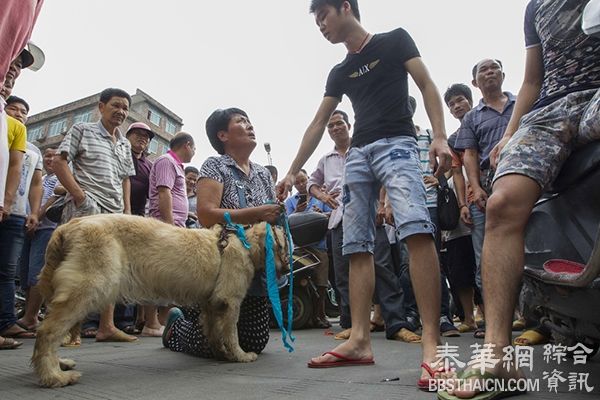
x=365, y=69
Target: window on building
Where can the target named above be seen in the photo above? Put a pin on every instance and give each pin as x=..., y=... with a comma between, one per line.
x=84, y=116
x=57, y=127
x=165, y=145
x=35, y=133
x=154, y=116
x=153, y=148
x=170, y=127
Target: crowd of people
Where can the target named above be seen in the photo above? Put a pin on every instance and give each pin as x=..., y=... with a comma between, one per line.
x=378, y=186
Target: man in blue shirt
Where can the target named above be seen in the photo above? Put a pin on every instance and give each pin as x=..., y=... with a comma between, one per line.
x=481, y=129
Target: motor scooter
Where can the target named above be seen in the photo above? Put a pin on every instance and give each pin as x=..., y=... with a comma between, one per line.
x=562, y=254
x=306, y=228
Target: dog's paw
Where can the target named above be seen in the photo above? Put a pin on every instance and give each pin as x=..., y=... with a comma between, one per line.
x=66, y=364
x=246, y=357
x=60, y=379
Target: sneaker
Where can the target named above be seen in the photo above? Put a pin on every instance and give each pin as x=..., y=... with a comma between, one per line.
x=174, y=314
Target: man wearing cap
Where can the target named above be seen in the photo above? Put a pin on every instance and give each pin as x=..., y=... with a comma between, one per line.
x=12, y=147
x=99, y=183
x=14, y=12
x=13, y=134
x=139, y=136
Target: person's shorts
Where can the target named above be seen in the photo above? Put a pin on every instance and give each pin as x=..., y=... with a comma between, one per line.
x=88, y=207
x=547, y=136
x=393, y=163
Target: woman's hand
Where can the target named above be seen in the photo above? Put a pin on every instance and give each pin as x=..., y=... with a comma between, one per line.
x=269, y=213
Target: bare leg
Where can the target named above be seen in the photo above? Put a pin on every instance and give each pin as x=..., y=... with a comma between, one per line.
x=32, y=308
x=107, y=326
x=377, y=316
x=152, y=325
x=465, y=296
x=362, y=284
x=425, y=276
x=508, y=211
x=163, y=313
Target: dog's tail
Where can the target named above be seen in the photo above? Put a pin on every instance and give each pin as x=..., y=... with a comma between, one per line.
x=54, y=256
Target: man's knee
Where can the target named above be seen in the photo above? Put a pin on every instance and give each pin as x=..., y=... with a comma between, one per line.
x=503, y=211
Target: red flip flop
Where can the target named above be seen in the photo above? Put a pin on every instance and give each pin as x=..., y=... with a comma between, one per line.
x=342, y=361
x=422, y=383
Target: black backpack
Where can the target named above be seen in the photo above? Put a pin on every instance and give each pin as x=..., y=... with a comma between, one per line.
x=447, y=206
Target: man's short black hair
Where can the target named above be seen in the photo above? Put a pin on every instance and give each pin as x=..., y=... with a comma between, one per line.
x=179, y=140
x=191, y=168
x=337, y=4
x=458, y=89
x=343, y=114
x=109, y=93
x=474, y=70
x=15, y=99
x=219, y=121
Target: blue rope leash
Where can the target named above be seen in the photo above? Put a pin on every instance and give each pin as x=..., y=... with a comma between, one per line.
x=273, y=292
x=288, y=234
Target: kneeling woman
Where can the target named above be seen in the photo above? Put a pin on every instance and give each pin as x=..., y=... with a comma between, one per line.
x=234, y=184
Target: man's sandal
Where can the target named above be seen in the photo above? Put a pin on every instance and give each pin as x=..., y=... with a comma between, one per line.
x=405, y=335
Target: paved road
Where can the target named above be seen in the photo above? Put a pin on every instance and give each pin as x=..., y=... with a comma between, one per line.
x=146, y=371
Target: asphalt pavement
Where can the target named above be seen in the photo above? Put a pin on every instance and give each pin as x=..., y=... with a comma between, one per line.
x=145, y=370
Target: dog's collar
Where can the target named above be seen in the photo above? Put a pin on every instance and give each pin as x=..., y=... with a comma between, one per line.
x=230, y=227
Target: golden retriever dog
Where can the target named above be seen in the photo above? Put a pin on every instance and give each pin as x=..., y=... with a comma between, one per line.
x=94, y=261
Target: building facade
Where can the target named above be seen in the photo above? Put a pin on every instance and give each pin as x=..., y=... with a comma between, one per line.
x=48, y=128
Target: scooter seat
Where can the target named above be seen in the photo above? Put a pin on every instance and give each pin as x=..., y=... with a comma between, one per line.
x=565, y=267
x=569, y=273
x=582, y=162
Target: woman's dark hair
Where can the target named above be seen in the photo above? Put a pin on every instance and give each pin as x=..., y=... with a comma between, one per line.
x=337, y=4
x=109, y=93
x=458, y=89
x=219, y=121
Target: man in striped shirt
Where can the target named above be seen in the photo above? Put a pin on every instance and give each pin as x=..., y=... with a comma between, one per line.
x=99, y=183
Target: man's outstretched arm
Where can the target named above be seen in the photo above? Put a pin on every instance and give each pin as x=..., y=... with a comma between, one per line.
x=310, y=141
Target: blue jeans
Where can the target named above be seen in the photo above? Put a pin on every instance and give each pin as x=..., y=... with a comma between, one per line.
x=393, y=163
x=477, y=235
x=33, y=257
x=388, y=288
x=12, y=237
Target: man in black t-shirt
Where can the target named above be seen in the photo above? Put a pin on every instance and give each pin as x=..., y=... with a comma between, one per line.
x=374, y=75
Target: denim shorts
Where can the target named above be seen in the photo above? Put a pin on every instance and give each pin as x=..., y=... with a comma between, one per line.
x=393, y=163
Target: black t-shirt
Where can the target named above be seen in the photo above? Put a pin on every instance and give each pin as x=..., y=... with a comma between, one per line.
x=376, y=82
